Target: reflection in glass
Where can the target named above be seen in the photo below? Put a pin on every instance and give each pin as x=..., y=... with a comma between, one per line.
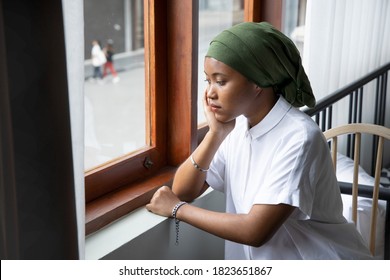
x=214, y=16
x=114, y=103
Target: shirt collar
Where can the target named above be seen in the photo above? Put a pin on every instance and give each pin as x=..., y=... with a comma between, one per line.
x=274, y=116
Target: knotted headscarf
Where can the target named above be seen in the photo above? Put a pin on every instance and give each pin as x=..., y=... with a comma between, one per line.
x=265, y=56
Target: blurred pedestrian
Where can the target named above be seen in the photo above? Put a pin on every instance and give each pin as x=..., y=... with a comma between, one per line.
x=98, y=59
x=109, y=65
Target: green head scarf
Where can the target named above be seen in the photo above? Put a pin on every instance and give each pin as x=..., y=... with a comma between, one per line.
x=265, y=56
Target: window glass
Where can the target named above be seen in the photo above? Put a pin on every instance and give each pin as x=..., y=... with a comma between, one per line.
x=214, y=16
x=293, y=21
x=115, y=88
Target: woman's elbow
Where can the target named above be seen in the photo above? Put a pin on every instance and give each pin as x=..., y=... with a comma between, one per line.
x=256, y=240
x=188, y=194
x=184, y=195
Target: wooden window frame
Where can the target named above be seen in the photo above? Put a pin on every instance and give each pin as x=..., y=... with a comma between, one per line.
x=171, y=49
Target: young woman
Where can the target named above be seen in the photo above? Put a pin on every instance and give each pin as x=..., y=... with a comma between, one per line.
x=269, y=158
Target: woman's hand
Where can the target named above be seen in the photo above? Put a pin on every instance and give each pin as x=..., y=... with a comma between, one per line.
x=163, y=202
x=215, y=126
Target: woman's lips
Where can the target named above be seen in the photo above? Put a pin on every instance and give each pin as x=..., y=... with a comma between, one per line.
x=214, y=107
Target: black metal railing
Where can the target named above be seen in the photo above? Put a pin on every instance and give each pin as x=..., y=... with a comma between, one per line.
x=323, y=111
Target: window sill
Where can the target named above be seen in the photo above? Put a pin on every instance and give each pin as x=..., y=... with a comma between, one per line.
x=108, y=208
x=112, y=237
x=118, y=240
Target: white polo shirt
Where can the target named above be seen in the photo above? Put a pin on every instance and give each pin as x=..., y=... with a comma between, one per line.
x=285, y=159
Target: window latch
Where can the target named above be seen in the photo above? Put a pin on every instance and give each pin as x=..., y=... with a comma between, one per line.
x=148, y=163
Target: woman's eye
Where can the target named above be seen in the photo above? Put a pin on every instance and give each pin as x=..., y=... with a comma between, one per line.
x=220, y=83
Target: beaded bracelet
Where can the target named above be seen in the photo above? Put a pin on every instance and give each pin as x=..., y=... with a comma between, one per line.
x=177, y=221
x=197, y=166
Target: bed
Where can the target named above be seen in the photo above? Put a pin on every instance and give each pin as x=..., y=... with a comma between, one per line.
x=344, y=176
x=373, y=86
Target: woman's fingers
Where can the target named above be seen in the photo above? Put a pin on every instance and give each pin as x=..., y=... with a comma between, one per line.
x=163, y=202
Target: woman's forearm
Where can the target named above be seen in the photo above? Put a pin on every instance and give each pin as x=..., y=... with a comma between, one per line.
x=254, y=228
x=227, y=226
x=189, y=180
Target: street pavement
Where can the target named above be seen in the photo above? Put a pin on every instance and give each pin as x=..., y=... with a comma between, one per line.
x=114, y=116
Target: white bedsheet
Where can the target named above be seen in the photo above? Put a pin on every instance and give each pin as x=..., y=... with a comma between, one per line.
x=345, y=174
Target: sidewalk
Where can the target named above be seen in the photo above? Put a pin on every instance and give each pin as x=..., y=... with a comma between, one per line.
x=114, y=116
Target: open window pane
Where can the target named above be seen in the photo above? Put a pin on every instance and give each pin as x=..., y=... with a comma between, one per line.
x=114, y=100
x=214, y=16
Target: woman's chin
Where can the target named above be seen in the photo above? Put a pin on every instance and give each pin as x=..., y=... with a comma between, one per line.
x=224, y=118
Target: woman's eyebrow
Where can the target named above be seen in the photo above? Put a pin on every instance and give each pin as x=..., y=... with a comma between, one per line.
x=215, y=74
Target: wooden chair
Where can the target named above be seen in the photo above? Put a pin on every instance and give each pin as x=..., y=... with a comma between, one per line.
x=357, y=129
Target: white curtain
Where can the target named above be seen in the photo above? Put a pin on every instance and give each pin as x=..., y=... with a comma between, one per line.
x=74, y=39
x=345, y=40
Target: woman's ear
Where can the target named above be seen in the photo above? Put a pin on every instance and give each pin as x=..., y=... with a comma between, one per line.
x=258, y=89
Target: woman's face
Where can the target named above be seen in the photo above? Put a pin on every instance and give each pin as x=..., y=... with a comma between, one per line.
x=229, y=94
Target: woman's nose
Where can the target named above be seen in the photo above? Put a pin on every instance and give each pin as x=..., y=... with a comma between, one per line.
x=211, y=94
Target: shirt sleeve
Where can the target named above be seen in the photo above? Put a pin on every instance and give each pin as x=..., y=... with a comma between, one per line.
x=292, y=175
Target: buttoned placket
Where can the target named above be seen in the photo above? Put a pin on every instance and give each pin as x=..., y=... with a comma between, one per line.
x=247, y=150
